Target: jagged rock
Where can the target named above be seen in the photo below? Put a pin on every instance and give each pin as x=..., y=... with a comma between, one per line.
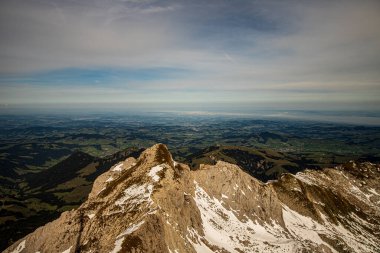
x=154, y=204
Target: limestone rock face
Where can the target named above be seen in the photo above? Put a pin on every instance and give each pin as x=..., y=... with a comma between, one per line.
x=154, y=204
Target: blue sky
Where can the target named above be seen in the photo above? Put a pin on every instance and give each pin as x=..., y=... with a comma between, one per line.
x=286, y=54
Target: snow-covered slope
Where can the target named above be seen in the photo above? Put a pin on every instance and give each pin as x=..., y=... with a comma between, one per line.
x=154, y=204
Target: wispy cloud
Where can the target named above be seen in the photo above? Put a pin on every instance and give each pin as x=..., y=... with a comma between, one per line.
x=220, y=51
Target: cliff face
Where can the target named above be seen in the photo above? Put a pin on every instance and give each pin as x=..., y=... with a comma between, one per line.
x=153, y=204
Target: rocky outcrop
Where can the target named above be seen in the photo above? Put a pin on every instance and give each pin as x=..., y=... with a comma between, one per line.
x=153, y=204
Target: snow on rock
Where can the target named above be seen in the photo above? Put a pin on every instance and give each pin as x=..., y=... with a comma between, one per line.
x=135, y=195
x=131, y=229
x=118, y=244
x=305, y=178
x=302, y=227
x=68, y=250
x=373, y=191
x=267, y=219
x=306, y=229
x=19, y=247
x=120, y=238
x=319, y=203
x=198, y=245
x=357, y=240
x=101, y=190
x=297, y=189
x=175, y=251
x=118, y=167
x=153, y=172
x=109, y=179
x=223, y=229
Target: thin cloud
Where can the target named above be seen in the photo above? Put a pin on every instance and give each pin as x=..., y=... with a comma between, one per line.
x=257, y=50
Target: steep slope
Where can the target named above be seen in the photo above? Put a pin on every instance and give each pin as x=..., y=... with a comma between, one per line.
x=69, y=168
x=154, y=204
x=41, y=197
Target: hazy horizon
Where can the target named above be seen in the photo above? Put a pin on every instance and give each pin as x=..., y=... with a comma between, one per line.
x=352, y=117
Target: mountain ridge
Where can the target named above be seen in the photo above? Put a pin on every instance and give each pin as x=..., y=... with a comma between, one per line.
x=154, y=204
x=263, y=164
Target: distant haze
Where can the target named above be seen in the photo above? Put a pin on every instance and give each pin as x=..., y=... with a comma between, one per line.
x=295, y=55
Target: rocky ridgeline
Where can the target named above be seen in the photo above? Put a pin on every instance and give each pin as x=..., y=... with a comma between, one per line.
x=153, y=204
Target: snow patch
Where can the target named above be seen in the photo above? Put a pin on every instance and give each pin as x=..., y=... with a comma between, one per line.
x=20, y=247
x=304, y=178
x=68, y=250
x=101, y=190
x=117, y=244
x=118, y=167
x=198, y=245
x=131, y=229
x=135, y=195
x=223, y=229
x=373, y=191
x=91, y=215
x=109, y=179
x=201, y=247
x=302, y=227
x=297, y=190
x=153, y=172
x=319, y=203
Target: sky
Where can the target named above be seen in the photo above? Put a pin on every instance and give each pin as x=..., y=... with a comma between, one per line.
x=270, y=54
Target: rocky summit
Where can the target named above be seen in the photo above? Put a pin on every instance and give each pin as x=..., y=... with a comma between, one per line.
x=154, y=204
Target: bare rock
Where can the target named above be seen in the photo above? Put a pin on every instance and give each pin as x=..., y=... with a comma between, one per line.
x=154, y=204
